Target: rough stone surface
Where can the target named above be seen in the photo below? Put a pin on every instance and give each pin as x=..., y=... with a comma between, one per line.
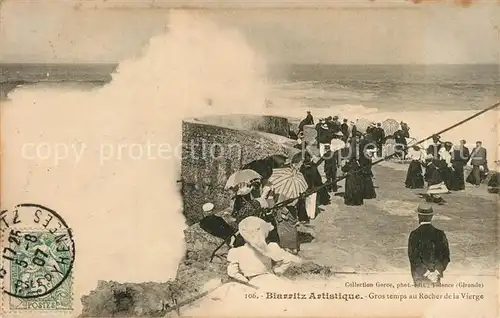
x=194, y=273
x=157, y=299
x=212, y=153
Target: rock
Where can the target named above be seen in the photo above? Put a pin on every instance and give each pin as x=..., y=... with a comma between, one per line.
x=199, y=243
x=309, y=270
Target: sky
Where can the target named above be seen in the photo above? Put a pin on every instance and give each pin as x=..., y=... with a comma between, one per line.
x=357, y=32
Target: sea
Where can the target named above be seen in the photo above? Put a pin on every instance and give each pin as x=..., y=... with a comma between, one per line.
x=427, y=97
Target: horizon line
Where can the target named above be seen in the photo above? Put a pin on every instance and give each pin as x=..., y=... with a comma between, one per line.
x=271, y=63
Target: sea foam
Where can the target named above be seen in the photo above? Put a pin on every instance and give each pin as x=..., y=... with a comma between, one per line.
x=125, y=211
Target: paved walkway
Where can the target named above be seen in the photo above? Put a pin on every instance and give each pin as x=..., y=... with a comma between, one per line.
x=373, y=238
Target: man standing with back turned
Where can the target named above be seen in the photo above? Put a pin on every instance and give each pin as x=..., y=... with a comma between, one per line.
x=428, y=250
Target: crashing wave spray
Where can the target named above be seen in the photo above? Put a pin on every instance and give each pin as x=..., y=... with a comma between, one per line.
x=116, y=192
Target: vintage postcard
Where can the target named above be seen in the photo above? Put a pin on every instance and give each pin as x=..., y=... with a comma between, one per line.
x=258, y=159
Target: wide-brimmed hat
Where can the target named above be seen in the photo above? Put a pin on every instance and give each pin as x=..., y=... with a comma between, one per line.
x=207, y=207
x=254, y=231
x=425, y=209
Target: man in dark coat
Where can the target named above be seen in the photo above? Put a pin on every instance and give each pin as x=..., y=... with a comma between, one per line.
x=479, y=164
x=428, y=250
x=379, y=139
x=330, y=167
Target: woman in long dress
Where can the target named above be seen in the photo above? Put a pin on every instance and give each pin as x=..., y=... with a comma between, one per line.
x=354, y=191
x=311, y=174
x=446, y=167
x=414, y=176
x=256, y=257
x=459, y=159
x=255, y=265
x=432, y=173
x=365, y=161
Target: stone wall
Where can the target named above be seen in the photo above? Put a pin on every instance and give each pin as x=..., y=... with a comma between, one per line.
x=211, y=153
x=269, y=124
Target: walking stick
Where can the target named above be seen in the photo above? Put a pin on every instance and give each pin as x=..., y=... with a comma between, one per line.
x=220, y=245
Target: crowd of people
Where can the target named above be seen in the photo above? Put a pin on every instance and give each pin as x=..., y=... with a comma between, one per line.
x=343, y=150
x=442, y=165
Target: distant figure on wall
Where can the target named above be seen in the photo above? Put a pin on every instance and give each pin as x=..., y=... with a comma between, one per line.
x=428, y=250
x=309, y=120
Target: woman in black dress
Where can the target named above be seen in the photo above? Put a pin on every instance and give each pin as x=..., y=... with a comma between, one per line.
x=432, y=173
x=414, y=176
x=311, y=174
x=459, y=159
x=365, y=163
x=354, y=190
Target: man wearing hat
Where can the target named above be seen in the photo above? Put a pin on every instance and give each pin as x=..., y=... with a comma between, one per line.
x=428, y=250
x=325, y=137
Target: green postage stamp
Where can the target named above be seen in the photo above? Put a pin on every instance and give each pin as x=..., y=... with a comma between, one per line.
x=37, y=255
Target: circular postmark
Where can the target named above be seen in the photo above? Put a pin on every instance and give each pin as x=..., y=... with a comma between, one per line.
x=37, y=251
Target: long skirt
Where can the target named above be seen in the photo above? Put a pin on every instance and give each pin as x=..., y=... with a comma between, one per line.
x=323, y=197
x=289, y=237
x=353, y=190
x=457, y=178
x=311, y=206
x=447, y=175
x=414, y=177
x=301, y=210
x=368, y=188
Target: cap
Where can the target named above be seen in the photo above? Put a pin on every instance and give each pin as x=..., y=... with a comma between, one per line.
x=207, y=207
x=425, y=209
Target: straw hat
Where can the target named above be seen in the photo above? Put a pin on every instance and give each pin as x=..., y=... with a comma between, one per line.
x=425, y=209
x=207, y=207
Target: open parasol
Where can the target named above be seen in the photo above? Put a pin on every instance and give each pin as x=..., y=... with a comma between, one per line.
x=390, y=126
x=362, y=124
x=288, y=182
x=241, y=176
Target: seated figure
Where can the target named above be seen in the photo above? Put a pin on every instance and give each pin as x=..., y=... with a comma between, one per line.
x=257, y=261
